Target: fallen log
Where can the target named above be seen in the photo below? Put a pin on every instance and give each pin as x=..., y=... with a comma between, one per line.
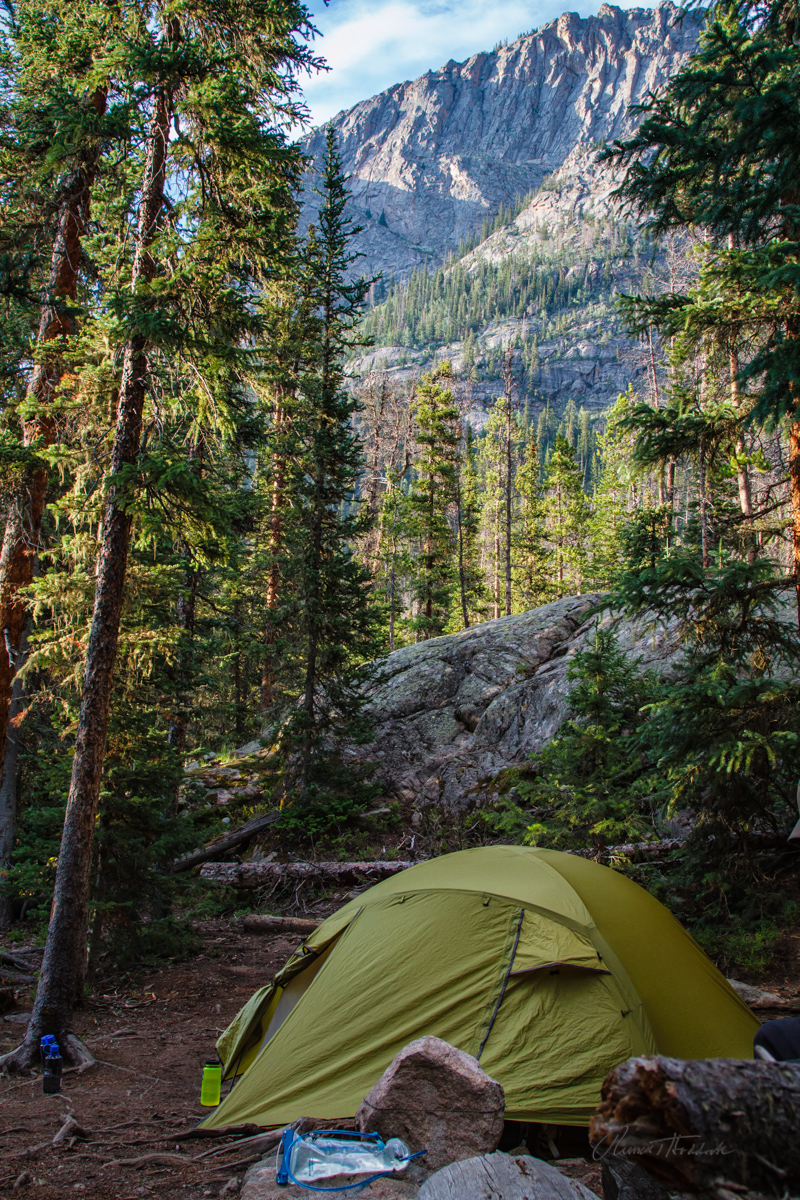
x=634, y=850
x=646, y=851
x=259, y=924
x=256, y=874
x=17, y=962
x=215, y=850
x=624, y=1179
x=704, y=1125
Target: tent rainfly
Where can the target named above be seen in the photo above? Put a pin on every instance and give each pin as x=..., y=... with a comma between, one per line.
x=548, y=968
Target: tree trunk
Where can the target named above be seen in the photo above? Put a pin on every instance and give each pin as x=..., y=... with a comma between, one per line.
x=9, y=780
x=64, y=963
x=187, y=610
x=24, y=518
x=274, y=578
x=462, y=581
x=794, y=481
x=509, y=483
x=702, y=484
x=391, y=603
x=624, y=1179
x=496, y=588
x=742, y=473
x=229, y=841
x=704, y=1124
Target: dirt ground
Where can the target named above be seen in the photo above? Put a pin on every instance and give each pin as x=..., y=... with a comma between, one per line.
x=151, y=1038
x=143, y=1097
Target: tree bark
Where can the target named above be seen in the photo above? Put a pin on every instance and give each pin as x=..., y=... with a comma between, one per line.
x=702, y=1125
x=24, y=518
x=742, y=473
x=509, y=480
x=702, y=474
x=9, y=779
x=794, y=483
x=273, y=580
x=64, y=963
x=462, y=583
x=186, y=614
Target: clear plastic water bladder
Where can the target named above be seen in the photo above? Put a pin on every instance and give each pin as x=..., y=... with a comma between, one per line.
x=307, y=1159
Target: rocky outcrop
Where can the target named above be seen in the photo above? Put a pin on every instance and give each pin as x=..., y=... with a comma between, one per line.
x=437, y=1098
x=449, y=715
x=430, y=160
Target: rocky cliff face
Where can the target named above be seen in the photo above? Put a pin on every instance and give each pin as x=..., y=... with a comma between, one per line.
x=431, y=159
x=452, y=713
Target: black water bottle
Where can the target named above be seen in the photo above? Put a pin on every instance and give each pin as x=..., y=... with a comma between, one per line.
x=51, y=1075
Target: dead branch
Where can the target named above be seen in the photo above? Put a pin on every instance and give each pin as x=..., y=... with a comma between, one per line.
x=215, y=850
x=70, y=1129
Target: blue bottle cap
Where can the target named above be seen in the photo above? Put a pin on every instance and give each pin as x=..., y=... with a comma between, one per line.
x=52, y=1050
x=47, y=1040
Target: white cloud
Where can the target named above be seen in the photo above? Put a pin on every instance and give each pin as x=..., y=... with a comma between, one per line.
x=370, y=46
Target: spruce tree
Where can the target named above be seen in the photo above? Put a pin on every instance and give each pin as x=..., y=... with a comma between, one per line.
x=427, y=506
x=533, y=562
x=54, y=133
x=180, y=305
x=472, y=594
x=326, y=610
x=566, y=515
x=718, y=151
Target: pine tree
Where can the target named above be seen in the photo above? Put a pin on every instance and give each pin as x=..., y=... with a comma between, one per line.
x=472, y=595
x=533, y=563
x=718, y=151
x=566, y=514
x=326, y=611
x=595, y=783
x=57, y=104
x=430, y=496
x=612, y=498
x=227, y=83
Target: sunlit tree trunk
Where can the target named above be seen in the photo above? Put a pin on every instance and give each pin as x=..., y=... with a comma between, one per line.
x=64, y=962
x=23, y=524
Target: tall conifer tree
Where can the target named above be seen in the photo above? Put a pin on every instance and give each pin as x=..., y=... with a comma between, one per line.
x=567, y=514
x=181, y=305
x=428, y=502
x=329, y=620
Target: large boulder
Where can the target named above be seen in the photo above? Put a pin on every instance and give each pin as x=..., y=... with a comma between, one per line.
x=438, y=1097
x=451, y=714
x=502, y=1175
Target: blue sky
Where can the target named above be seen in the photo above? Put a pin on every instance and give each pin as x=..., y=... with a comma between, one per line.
x=371, y=45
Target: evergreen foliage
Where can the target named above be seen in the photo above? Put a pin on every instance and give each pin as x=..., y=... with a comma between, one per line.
x=426, y=511
x=593, y=784
x=326, y=618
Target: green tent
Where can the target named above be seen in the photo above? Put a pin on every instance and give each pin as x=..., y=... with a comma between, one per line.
x=547, y=967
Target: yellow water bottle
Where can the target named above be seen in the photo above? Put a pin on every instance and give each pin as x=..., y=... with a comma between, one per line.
x=211, y=1088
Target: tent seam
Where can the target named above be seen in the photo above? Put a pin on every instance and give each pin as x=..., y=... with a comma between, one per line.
x=503, y=986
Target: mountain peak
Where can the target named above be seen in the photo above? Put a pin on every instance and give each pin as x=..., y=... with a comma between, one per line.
x=431, y=159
